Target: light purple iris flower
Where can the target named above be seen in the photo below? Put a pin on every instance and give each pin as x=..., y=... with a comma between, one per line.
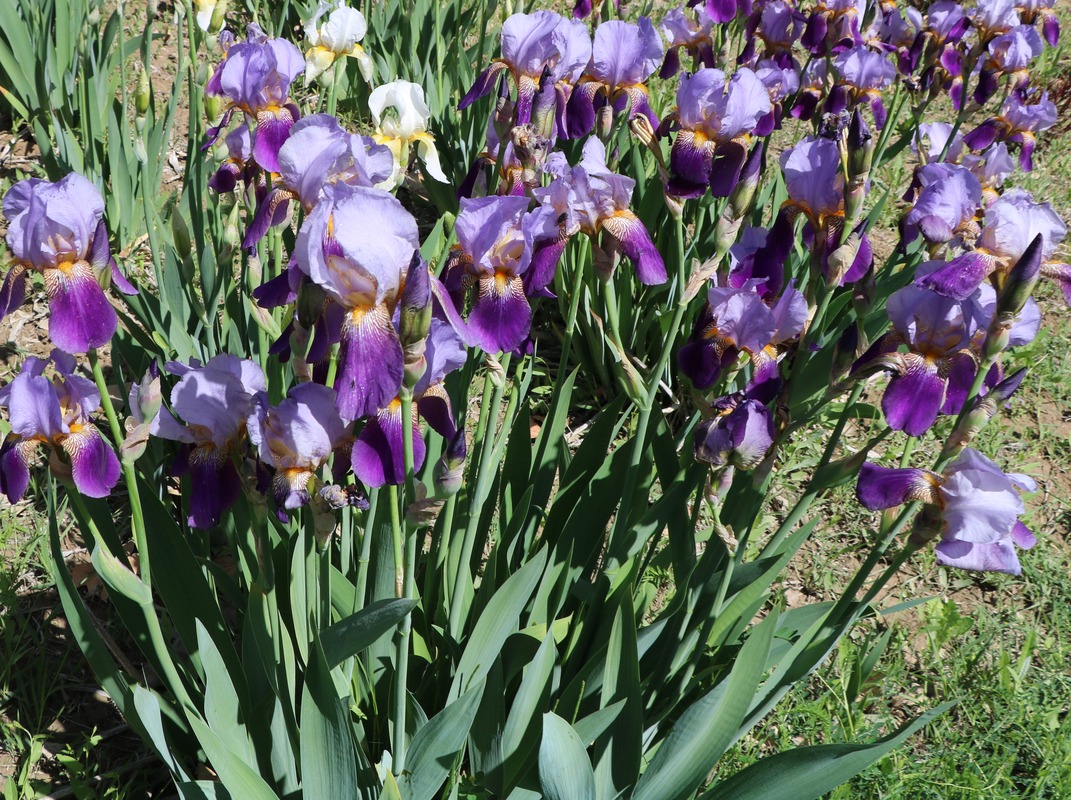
x=735, y=320
x=624, y=55
x=781, y=83
x=778, y=26
x=495, y=238
x=357, y=245
x=716, y=118
x=532, y=43
x=592, y=200
x=862, y=74
x=976, y=505
x=946, y=207
x=812, y=89
x=935, y=137
x=296, y=438
x=814, y=179
x=991, y=167
x=57, y=229
x=1033, y=11
x=255, y=77
x=739, y=434
x=1011, y=224
x=317, y=152
x=832, y=24
x=235, y=166
x=691, y=34
x=214, y=401
x=993, y=17
x=55, y=413
x=1019, y=122
x=379, y=452
x=1009, y=54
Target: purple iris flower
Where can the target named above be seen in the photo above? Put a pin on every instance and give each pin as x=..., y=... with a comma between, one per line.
x=379, y=452
x=992, y=18
x=738, y=319
x=936, y=134
x=318, y=151
x=1031, y=11
x=590, y=199
x=781, y=83
x=584, y=8
x=214, y=401
x=532, y=43
x=716, y=117
x=833, y=25
x=692, y=35
x=255, y=77
x=55, y=413
x=976, y=504
x=57, y=229
x=296, y=438
x=862, y=74
x=624, y=55
x=991, y=167
x=1019, y=121
x=357, y=245
x=1009, y=54
x=495, y=238
x=778, y=26
x=947, y=205
x=739, y=434
x=815, y=180
x=1011, y=224
x=236, y=166
x=812, y=88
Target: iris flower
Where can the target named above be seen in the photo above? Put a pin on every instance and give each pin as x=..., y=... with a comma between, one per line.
x=357, y=245
x=976, y=507
x=1019, y=122
x=405, y=126
x=255, y=77
x=57, y=229
x=214, y=401
x=55, y=413
x=334, y=38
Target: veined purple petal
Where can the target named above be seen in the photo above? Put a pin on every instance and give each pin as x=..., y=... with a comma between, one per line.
x=997, y=556
x=435, y=408
x=1023, y=537
x=960, y=277
x=545, y=258
x=721, y=10
x=636, y=244
x=13, y=290
x=273, y=128
x=94, y=467
x=15, y=455
x=625, y=54
x=961, y=372
x=912, y=400
x=483, y=85
x=271, y=211
x=370, y=363
x=884, y=487
x=80, y=316
x=500, y=317
x=725, y=171
x=214, y=486
x=701, y=360
x=379, y=452
x=580, y=111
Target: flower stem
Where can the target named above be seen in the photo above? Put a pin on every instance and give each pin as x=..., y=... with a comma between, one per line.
x=137, y=519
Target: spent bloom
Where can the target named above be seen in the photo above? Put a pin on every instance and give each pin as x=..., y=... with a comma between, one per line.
x=214, y=401
x=55, y=413
x=401, y=117
x=57, y=229
x=973, y=507
x=335, y=37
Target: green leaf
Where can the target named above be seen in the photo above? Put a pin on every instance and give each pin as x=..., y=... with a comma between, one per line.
x=349, y=636
x=328, y=763
x=437, y=745
x=521, y=730
x=564, y=769
x=706, y=729
x=500, y=619
x=807, y=773
x=120, y=579
x=203, y=790
x=222, y=707
x=235, y=773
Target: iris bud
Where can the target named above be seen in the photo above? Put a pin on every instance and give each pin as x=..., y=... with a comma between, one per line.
x=181, y=234
x=449, y=470
x=604, y=122
x=218, y=15
x=1021, y=280
x=310, y=304
x=983, y=410
x=143, y=94
x=544, y=105
x=743, y=194
x=416, y=302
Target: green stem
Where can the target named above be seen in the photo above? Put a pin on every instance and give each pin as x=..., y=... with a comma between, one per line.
x=130, y=478
x=570, y=322
x=332, y=91
x=401, y=675
x=365, y=555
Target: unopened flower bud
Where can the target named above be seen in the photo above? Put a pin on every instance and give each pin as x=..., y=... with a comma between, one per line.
x=604, y=122
x=983, y=410
x=841, y=259
x=544, y=106
x=310, y=303
x=450, y=469
x=502, y=118
x=181, y=233
x=213, y=107
x=1022, y=279
x=416, y=302
x=143, y=95
x=845, y=352
x=219, y=14
x=726, y=229
x=743, y=194
x=860, y=146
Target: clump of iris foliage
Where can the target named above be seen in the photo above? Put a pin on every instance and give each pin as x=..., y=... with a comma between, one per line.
x=355, y=360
